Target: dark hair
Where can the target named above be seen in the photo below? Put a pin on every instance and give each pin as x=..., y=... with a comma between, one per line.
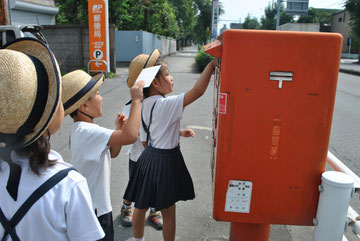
x=161, y=62
x=38, y=153
x=74, y=113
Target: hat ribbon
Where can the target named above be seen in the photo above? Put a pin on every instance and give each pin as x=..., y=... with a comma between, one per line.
x=147, y=60
x=9, y=142
x=92, y=82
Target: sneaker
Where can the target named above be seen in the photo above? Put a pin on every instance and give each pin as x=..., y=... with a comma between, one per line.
x=155, y=220
x=126, y=217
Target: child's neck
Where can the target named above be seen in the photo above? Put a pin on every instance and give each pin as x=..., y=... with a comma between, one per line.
x=153, y=91
x=81, y=116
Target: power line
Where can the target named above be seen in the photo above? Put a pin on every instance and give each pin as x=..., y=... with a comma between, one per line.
x=336, y=3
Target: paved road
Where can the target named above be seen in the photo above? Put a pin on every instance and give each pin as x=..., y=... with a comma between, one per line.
x=194, y=221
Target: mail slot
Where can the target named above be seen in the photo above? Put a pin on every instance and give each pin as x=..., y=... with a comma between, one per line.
x=274, y=96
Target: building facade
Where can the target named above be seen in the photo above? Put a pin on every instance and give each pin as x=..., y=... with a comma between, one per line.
x=39, y=12
x=340, y=24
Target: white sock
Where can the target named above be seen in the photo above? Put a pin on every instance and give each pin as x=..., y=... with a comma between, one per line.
x=138, y=239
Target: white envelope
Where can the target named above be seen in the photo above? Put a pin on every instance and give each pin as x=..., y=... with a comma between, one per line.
x=126, y=108
x=148, y=75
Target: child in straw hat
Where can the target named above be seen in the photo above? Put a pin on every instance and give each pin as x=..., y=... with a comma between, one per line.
x=161, y=178
x=137, y=64
x=93, y=146
x=42, y=198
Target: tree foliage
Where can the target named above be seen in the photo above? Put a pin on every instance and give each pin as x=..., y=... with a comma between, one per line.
x=162, y=20
x=72, y=11
x=353, y=6
x=185, y=12
x=180, y=19
x=268, y=21
x=250, y=23
x=126, y=15
x=203, y=21
x=321, y=16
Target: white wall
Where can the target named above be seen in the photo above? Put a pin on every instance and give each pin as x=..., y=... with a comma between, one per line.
x=306, y=27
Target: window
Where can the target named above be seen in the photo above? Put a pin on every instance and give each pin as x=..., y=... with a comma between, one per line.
x=339, y=20
x=6, y=36
x=1, y=39
x=10, y=35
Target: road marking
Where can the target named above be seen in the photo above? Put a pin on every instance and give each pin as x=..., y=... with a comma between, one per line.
x=200, y=128
x=186, y=54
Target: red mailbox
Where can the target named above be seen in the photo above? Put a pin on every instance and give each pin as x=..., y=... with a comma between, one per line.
x=274, y=96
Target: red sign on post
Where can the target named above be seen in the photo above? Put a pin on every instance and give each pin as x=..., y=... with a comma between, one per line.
x=98, y=35
x=222, y=103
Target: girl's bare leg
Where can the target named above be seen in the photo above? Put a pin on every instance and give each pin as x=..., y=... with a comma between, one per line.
x=139, y=222
x=169, y=224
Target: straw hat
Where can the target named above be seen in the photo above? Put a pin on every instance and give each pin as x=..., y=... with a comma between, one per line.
x=139, y=63
x=30, y=91
x=78, y=87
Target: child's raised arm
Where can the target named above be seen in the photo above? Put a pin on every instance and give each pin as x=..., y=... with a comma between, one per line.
x=200, y=85
x=129, y=133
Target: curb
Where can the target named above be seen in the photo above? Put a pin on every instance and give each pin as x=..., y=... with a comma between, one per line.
x=350, y=71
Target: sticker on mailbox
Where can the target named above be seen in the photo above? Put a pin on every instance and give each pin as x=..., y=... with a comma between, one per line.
x=238, y=196
x=222, y=103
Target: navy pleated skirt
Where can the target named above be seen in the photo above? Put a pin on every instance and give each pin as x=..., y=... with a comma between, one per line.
x=160, y=179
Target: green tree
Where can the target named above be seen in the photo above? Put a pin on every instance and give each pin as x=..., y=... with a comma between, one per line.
x=72, y=11
x=180, y=19
x=250, y=23
x=185, y=12
x=126, y=14
x=203, y=21
x=353, y=6
x=162, y=19
x=268, y=21
x=321, y=16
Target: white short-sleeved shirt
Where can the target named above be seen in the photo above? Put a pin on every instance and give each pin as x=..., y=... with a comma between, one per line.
x=165, y=125
x=137, y=148
x=64, y=213
x=91, y=157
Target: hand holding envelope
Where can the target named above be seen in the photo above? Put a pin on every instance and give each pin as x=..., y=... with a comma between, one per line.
x=148, y=75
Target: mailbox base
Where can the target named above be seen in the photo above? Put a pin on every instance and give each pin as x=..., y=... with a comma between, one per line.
x=249, y=232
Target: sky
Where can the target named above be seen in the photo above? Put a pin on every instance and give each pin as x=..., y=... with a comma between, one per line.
x=236, y=10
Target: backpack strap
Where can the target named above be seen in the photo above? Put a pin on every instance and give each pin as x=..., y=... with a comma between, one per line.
x=9, y=226
x=147, y=128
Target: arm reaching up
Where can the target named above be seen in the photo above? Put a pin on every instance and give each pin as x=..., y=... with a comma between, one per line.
x=129, y=133
x=119, y=124
x=200, y=85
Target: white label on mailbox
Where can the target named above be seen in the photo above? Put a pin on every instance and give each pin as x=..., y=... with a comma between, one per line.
x=238, y=196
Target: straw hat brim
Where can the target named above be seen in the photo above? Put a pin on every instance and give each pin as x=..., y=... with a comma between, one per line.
x=139, y=63
x=37, y=49
x=73, y=103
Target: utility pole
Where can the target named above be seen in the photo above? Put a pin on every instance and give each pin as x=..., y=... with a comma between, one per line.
x=278, y=14
x=4, y=13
